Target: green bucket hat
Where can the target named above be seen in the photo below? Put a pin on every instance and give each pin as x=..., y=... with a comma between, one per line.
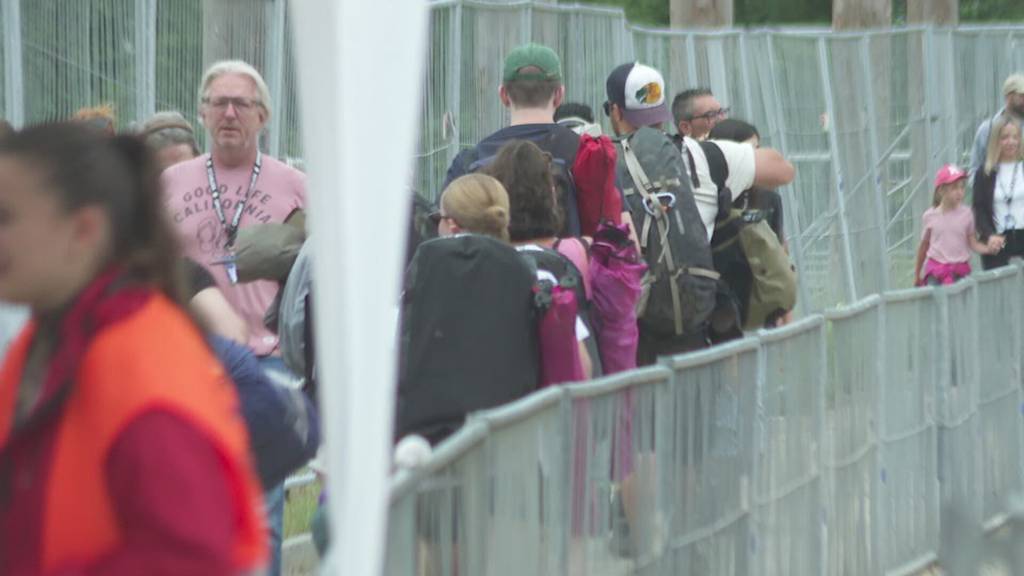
x=532, y=56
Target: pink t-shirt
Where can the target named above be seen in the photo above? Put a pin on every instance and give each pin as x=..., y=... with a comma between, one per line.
x=279, y=191
x=950, y=233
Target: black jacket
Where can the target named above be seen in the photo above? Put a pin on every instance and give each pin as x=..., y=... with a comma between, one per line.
x=984, y=214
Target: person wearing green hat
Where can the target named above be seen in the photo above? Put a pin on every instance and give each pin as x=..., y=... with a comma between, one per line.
x=532, y=89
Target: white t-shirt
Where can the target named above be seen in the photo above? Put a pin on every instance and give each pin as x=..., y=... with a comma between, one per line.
x=739, y=157
x=1008, y=197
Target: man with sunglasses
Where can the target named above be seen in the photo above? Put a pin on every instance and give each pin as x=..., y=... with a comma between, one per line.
x=696, y=111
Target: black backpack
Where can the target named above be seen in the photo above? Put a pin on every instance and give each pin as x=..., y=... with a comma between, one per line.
x=468, y=334
x=680, y=283
x=568, y=276
x=562, y=143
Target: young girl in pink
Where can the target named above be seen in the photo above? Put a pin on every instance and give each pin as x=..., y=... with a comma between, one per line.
x=948, y=234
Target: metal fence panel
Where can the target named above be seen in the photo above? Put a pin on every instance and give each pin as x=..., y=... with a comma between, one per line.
x=526, y=481
x=999, y=420
x=713, y=407
x=851, y=452
x=788, y=487
x=908, y=497
x=957, y=402
x=617, y=523
x=437, y=515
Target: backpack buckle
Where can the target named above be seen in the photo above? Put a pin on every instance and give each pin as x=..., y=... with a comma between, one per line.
x=666, y=201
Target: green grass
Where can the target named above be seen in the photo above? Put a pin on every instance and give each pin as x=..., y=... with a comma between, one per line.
x=299, y=507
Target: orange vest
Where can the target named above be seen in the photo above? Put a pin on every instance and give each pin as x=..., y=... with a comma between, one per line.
x=153, y=359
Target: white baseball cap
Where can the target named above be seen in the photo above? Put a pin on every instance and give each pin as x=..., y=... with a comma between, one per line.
x=640, y=91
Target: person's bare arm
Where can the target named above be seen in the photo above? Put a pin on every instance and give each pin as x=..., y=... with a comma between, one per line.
x=771, y=169
x=213, y=308
x=922, y=251
x=587, y=364
x=980, y=247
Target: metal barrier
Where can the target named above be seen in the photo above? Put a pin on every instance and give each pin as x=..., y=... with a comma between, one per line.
x=908, y=496
x=836, y=445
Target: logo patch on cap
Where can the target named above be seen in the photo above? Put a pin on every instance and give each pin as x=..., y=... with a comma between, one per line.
x=650, y=93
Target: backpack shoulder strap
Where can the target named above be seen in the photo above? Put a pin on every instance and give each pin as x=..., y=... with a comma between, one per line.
x=717, y=165
x=643, y=184
x=719, y=169
x=636, y=171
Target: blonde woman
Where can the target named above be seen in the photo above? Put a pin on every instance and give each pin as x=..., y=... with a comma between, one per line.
x=475, y=203
x=999, y=195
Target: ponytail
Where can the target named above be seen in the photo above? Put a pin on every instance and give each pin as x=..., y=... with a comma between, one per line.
x=150, y=249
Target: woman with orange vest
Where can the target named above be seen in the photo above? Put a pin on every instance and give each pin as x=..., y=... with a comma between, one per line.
x=122, y=449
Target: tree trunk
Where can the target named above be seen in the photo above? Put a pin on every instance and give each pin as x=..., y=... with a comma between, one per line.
x=701, y=13
x=856, y=14
x=939, y=12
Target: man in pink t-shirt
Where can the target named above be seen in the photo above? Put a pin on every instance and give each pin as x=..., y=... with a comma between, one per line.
x=251, y=188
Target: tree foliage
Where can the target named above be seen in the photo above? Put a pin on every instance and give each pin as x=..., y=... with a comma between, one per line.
x=776, y=12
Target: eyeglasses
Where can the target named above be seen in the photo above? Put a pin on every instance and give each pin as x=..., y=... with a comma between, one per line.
x=435, y=217
x=241, y=105
x=711, y=114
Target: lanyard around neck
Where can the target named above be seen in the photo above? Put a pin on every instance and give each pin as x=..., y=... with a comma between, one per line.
x=232, y=228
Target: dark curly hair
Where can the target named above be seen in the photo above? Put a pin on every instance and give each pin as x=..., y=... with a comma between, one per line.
x=525, y=171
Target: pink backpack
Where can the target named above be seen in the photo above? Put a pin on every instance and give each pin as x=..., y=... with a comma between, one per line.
x=615, y=272
x=559, y=352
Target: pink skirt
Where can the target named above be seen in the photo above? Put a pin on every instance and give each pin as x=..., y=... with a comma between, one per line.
x=946, y=273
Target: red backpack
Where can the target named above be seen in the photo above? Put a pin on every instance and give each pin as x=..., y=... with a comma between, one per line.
x=597, y=198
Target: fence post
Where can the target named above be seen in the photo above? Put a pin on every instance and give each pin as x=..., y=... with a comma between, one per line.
x=276, y=11
x=717, y=67
x=875, y=175
x=14, y=80
x=879, y=433
x=748, y=101
x=793, y=214
x=527, y=16
x=753, y=548
x=455, y=84
x=145, y=59
x=691, y=59
x=824, y=491
x=837, y=169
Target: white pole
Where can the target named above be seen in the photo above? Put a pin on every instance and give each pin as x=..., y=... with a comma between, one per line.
x=274, y=71
x=360, y=76
x=14, y=89
x=145, y=59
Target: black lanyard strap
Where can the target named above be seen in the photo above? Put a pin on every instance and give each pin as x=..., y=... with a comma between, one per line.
x=232, y=228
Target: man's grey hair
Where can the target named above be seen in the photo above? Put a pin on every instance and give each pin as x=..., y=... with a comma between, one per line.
x=682, y=104
x=240, y=68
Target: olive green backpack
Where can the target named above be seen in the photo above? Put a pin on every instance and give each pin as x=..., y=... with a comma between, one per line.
x=748, y=254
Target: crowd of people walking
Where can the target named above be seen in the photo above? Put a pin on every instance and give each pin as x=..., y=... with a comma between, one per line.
x=165, y=384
